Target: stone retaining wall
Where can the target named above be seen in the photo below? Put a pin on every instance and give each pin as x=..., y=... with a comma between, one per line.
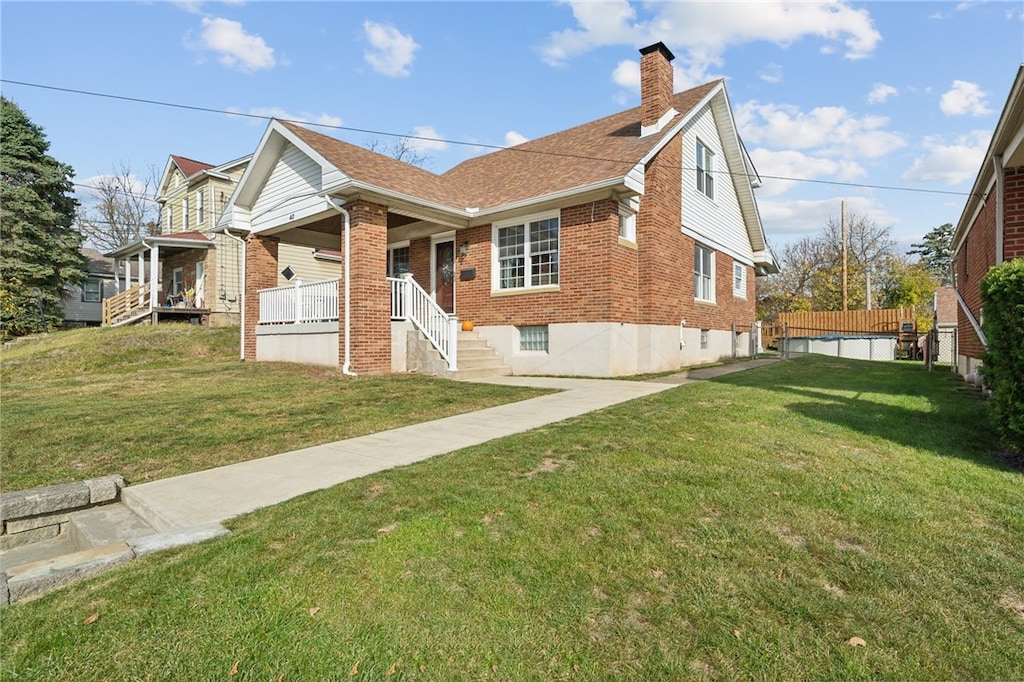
x=43, y=513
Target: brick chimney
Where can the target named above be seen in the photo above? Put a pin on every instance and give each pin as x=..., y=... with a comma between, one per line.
x=655, y=86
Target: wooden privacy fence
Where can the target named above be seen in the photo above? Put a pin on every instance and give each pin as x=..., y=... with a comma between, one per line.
x=884, y=321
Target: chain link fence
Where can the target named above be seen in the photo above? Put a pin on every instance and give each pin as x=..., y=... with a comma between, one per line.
x=936, y=348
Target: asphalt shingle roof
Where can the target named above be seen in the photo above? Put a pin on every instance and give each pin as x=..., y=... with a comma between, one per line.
x=190, y=167
x=580, y=156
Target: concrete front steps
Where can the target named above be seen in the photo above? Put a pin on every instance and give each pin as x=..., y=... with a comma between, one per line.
x=91, y=541
x=475, y=358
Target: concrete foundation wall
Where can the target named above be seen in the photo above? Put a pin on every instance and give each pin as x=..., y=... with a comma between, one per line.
x=612, y=349
x=399, y=345
x=311, y=344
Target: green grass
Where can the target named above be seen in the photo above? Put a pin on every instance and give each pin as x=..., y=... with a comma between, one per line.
x=151, y=402
x=744, y=528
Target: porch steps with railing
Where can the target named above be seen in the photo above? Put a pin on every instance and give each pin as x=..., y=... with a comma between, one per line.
x=476, y=358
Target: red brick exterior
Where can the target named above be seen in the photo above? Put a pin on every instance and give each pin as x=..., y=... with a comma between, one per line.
x=666, y=255
x=370, y=296
x=977, y=254
x=260, y=273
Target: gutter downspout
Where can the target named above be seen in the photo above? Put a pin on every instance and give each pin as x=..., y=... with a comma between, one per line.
x=241, y=295
x=345, y=365
x=997, y=162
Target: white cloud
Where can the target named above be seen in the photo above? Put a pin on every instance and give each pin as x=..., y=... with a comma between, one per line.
x=512, y=138
x=425, y=139
x=236, y=48
x=301, y=117
x=703, y=31
x=627, y=75
x=881, y=92
x=832, y=131
x=190, y=6
x=391, y=51
x=777, y=167
x=964, y=98
x=808, y=216
x=771, y=73
x=951, y=163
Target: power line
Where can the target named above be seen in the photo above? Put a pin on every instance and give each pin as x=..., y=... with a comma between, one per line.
x=211, y=110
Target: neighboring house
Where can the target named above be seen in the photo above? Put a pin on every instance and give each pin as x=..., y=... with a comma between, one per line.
x=83, y=303
x=991, y=227
x=625, y=245
x=198, y=272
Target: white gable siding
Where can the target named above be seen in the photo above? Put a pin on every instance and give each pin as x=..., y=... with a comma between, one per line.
x=290, y=188
x=718, y=222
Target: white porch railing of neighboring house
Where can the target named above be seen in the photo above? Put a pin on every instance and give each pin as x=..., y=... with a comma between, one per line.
x=298, y=303
x=318, y=302
x=410, y=302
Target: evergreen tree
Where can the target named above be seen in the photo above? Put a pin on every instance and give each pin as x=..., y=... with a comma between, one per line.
x=936, y=252
x=39, y=249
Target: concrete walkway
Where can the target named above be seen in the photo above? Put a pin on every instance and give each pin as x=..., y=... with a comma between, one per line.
x=215, y=495
x=183, y=510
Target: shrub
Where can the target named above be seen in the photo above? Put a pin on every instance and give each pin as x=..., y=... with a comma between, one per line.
x=1002, y=294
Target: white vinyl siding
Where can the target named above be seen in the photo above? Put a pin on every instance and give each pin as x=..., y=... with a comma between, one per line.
x=719, y=222
x=290, y=190
x=703, y=274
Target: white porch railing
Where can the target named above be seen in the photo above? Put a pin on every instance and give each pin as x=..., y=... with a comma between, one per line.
x=298, y=303
x=318, y=302
x=410, y=302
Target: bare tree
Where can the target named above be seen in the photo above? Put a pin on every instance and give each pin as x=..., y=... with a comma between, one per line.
x=125, y=209
x=401, y=148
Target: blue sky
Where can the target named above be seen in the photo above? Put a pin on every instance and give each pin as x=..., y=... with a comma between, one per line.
x=894, y=94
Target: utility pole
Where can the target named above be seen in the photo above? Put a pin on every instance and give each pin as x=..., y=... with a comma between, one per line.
x=868, y=287
x=843, y=223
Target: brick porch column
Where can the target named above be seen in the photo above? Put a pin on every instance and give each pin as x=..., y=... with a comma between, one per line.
x=260, y=273
x=370, y=295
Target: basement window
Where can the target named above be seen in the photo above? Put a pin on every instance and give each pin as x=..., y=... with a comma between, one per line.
x=533, y=338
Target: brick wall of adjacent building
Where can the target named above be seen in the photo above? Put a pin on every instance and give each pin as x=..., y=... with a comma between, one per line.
x=1013, y=214
x=260, y=273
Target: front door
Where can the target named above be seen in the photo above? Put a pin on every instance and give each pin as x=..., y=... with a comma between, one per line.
x=200, y=285
x=444, y=275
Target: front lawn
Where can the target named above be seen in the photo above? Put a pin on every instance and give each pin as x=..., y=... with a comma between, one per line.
x=150, y=402
x=758, y=526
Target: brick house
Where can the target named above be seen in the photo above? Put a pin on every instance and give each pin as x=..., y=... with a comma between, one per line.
x=624, y=245
x=991, y=227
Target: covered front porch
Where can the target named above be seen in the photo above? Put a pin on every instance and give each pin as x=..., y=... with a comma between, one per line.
x=392, y=309
x=162, y=277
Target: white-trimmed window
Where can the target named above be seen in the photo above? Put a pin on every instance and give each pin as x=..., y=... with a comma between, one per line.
x=705, y=170
x=527, y=253
x=739, y=280
x=178, y=281
x=170, y=219
x=533, y=337
x=398, y=259
x=200, y=207
x=184, y=208
x=92, y=291
x=703, y=273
